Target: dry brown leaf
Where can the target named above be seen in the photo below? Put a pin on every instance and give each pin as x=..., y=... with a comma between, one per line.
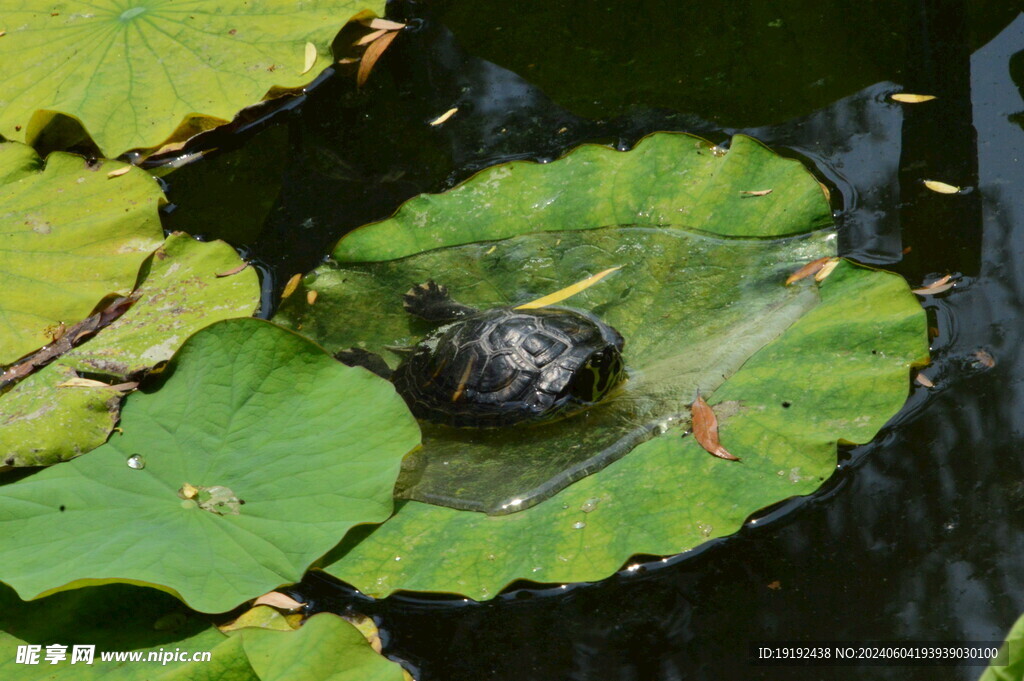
x=985, y=359
x=445, y=116
x=941, y=187
x=924, y=380
x=937, y=286
x=370, y=37
x=310, y=58
x=292, y=284
x=907, y=98
x=826, y=270
x=775, y=586
x=347, y=60
x=372, y=54
x=705, y=429
x=756, y=192
x=233, y=270
x=119, y=172
x=277, y=599
x=807, y=270
x=826, y=192
x=311, y=297
x=384, y=24
x=79, y=382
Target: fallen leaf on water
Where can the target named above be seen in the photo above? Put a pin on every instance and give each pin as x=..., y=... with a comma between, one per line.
x=941, y=187
x=826, y=270
x=566, y=292
x=807, y=270
x=278, y=600
x=311, y=297
x=347, y=60
x=372, y=54
x=292, y=284
x=908, y=98
x=370, y=37
x=310, y=58
x=445, y=116
x=119, y=172
x=233, y=270
x=924, y=380
x=775, y=586
x=705, y=429
x=937, y=286
x=984, y=359
x=756, y=192
x=384, y=24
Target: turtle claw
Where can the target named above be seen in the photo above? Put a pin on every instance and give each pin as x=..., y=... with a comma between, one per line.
x=431, y=301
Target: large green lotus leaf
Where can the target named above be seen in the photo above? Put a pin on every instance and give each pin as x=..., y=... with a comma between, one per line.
x=666, y=179
x=43, y=420
x=130, y=619
x=131, y=72
x=285, y=449
x=692, y=309
x=181, y=294
x=71, y=235
x=1009, y=663
x=836, y=375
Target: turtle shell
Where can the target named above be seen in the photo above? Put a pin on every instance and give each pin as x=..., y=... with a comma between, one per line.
x=505, y=366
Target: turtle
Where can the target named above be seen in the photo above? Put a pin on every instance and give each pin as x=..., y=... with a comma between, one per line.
x=500, y=366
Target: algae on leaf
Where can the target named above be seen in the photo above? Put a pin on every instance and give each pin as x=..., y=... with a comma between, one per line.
x=309, y=447
x=136, y=74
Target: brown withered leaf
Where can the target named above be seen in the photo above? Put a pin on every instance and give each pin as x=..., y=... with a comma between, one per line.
x=774, y=586
x=311, y=297
x=984, y=359
x=119, y=172
x=370, y=37
x=705, y=429
x=372, y=54
x=924, y=380
x=73, y=336
x=277, y=599
x=826, y=269
x=807, y=270
x=938, y=286
x=292, y=284
x=756, y=192
x=444, y=117
x=377, y=23
x=233, y=270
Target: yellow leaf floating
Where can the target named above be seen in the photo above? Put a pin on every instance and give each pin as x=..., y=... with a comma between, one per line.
x=310, y=58
x=292, y=284
x=908, y=98
x=445, y=116
x=568, y=291
x=941, y=187
x=826, y=269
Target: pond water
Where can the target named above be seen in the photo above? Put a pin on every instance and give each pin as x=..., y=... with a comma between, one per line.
x=918, y=536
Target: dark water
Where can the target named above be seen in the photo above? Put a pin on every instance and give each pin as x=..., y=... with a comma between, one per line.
x=919, y=535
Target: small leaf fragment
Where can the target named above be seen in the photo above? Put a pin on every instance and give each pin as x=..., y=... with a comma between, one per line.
x=233, y=270
x=119, y=172
x=292, y=284
x=372, y=54
x=370, y=37
x=79, y=382
x=384, y=24
x=568, y=291
x=277, y=599
x=444, y=117
x=938, y=286
x=985, y=359
x=311, y=297
x=807, y=270
x=188, y=491
x=924, y=380
x=826, y=270
x=908, y=98
x=756, y=192
x=310, y=59
x=941, y=187
x=705, y=429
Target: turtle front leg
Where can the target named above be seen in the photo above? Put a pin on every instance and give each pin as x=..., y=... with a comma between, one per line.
x=357, y=357
x=431, y=301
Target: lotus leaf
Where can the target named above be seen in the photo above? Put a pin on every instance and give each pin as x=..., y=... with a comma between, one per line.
x=308, y=446
x=71, y=235
x=137, y=74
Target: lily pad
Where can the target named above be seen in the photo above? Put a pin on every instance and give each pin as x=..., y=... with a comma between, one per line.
x=308, y=446
x=72, y=235
x=134, y=72
x=665, y=180
x=134, y=620
x=835, y=376
x=1009, y=663
x=46, y=420
x=692, y=309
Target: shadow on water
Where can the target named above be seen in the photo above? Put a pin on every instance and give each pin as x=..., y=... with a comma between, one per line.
x=918, y=536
